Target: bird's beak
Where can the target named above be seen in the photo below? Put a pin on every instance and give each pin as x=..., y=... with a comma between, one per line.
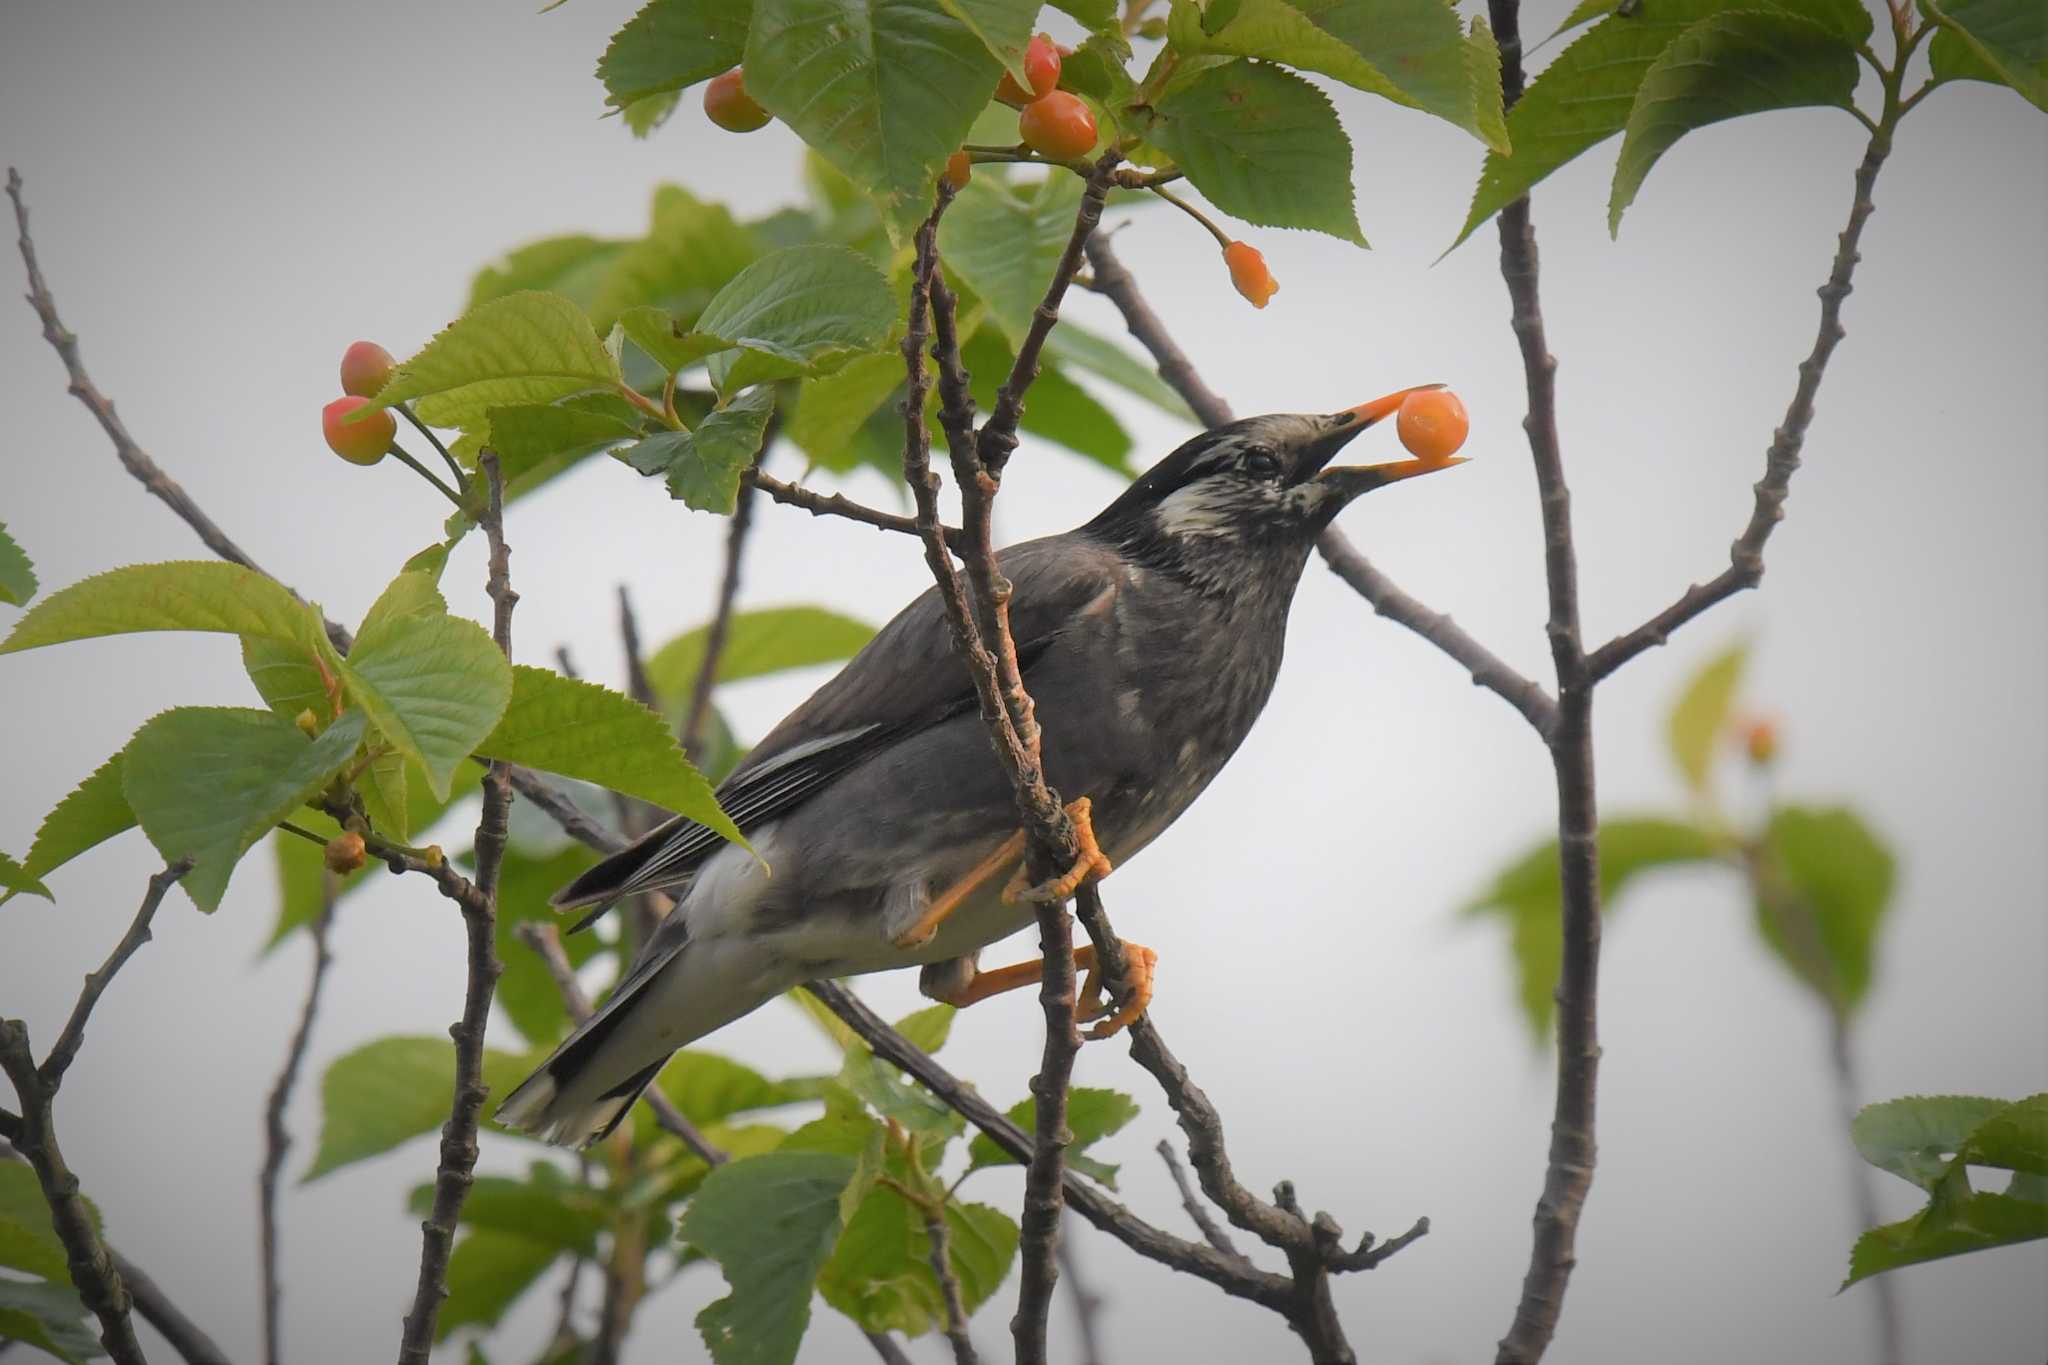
x=1348, y=481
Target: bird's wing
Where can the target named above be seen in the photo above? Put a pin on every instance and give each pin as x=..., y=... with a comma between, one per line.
x=904, y=680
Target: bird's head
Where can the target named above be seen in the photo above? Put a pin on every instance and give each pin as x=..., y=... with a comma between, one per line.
x=1255, y=492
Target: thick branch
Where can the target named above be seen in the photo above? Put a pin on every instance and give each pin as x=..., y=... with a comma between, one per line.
x=1781, y=461
x=93, y=1273
x=277, y=1138
x=479, y=919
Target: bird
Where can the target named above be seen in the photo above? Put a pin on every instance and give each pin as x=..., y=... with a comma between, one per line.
x=884, y=833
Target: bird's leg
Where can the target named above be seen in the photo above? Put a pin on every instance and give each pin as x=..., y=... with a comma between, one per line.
x=945, y=904
x=1089, y=863
x=1136, y=992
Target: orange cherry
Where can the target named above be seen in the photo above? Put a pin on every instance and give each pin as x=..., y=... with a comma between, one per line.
x=1042, y=65
x=959, y=170
x=361, y=442
x=1057, y=125
x=1248, y=272
x=1432, y=424
x=365, y=368
x=729, y=105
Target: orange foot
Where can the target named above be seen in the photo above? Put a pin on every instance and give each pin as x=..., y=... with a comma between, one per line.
x=1090, y=863
x=1135, y=991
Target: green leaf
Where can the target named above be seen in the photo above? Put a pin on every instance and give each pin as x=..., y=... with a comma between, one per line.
x=394, y=1089
x=1413, y=52
x=1528, y=895
x=2014, y=1139
x=546, y=1206
x=1059, y=409
x=831, y=409
x=703, y=467
x=1826, y=885
x=691, y=249
x=643, y=116
x=536, y=441
x=1092, y=1115
x=17, y=575
x=1700, y=716
x=488, y=1272
x=208, y=782
x=526, y=991
x=28, y=1240
x=671, y=45
x=1263, y=145
x=886, y=90
x=880, y=1086
x=1005, y=241
x=880, y=1274
x=1587, y=94
x=1914, y=1137
x=666, y=341
x=770, y=1222
x=95, y=811
x=579, y=729
x=928, y=1028
x=527, y=347
x=1076, y=348
x=286, y=677
x=49, y=1317
x=1095, y=15
x=434, y=685
x=801, y=311
x=184, y=595
x=708, y=1087
x=2004, y=42
x=16, y=880
x=1742, y=62
x=1976, y=1222
x=569, y=266
x=1004, y=27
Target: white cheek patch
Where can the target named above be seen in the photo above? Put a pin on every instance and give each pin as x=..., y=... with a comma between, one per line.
x=1197, y=510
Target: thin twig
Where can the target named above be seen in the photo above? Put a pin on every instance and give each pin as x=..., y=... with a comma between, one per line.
x=941, y=1238
x=1189, y=1200
x=637, y=685
x=1487, y=669
x=1087, y=1303
x=706, y=682
x=455, y=1173
x=277, y=1138
x=93, y=1273
x=154, y=1307
x=839, y=505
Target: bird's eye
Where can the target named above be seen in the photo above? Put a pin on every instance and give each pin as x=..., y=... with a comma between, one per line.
x=1261, y=463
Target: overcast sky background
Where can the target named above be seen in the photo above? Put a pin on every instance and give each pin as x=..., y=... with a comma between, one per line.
x=225, y=195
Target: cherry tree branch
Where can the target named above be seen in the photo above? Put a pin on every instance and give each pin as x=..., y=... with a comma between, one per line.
x=456, y=1172
x=941, y=1239
x=839, y=505
x=93, y=1273
x=277, y=1138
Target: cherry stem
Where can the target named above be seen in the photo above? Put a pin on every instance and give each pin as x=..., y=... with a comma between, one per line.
x=648, y=406
x=289, y=828
x=1223, y=239
x=426, y=473
x=405, y=411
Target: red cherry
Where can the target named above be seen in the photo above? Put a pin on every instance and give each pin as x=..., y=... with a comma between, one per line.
x=1432, y=424
x=1058, y=125
x=365, y=368
x=1248, y=272
x=729, y=105
x=362, y=442
x=1042, y=65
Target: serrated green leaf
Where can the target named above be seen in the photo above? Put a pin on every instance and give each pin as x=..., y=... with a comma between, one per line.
x=286, y=677
x=831, y=410
x=569, y=266
x=1080, y=350
x=691, y=249
x=880, y=1086
x=199, y=595
x=1726, y=66
x=885, y=90
x=671, y=45
x=1004, y=27
x=1005, y=242
x=95, y=811
x=703, y=467
x=488, y=1272
x=48, y=1317
x=579, y=729
x=2013, y=1139
x=1826, y=884
x=1585, y=12
x=1092, y=1115
x=1528, y=895
x=1586, y=95
x=1059, y=409
x=1976, y=1222
x=536, y=441
x=1699, y=718
x=708, y=1087
x=770, y=1222
x=208, y=782
x=643, y=116
x=1264, y=145
x=928, y=1028
x=28, y=1240
x=17, y=575
x=801, y=311
x=1482, y=67
x=16, y=880
x=666, y=341
x=2004, y=42
x=526, y=347
x=1413, y=52
x=394, y=1089
x=433, y=685
x=880, y=1274
x=1914, y=1137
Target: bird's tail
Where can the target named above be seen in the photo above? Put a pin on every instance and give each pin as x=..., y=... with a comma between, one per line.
x=585, y=1088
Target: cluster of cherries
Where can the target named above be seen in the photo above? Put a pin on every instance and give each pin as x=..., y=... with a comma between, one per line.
x=365, y=368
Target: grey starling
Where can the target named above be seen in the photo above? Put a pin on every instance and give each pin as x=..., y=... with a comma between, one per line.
x=1149, y=640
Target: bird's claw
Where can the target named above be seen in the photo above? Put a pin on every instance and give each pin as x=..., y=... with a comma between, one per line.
x=1134, y=991
x=1090, y=864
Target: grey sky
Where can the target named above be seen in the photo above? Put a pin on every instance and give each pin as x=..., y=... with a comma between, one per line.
x=225, y=195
